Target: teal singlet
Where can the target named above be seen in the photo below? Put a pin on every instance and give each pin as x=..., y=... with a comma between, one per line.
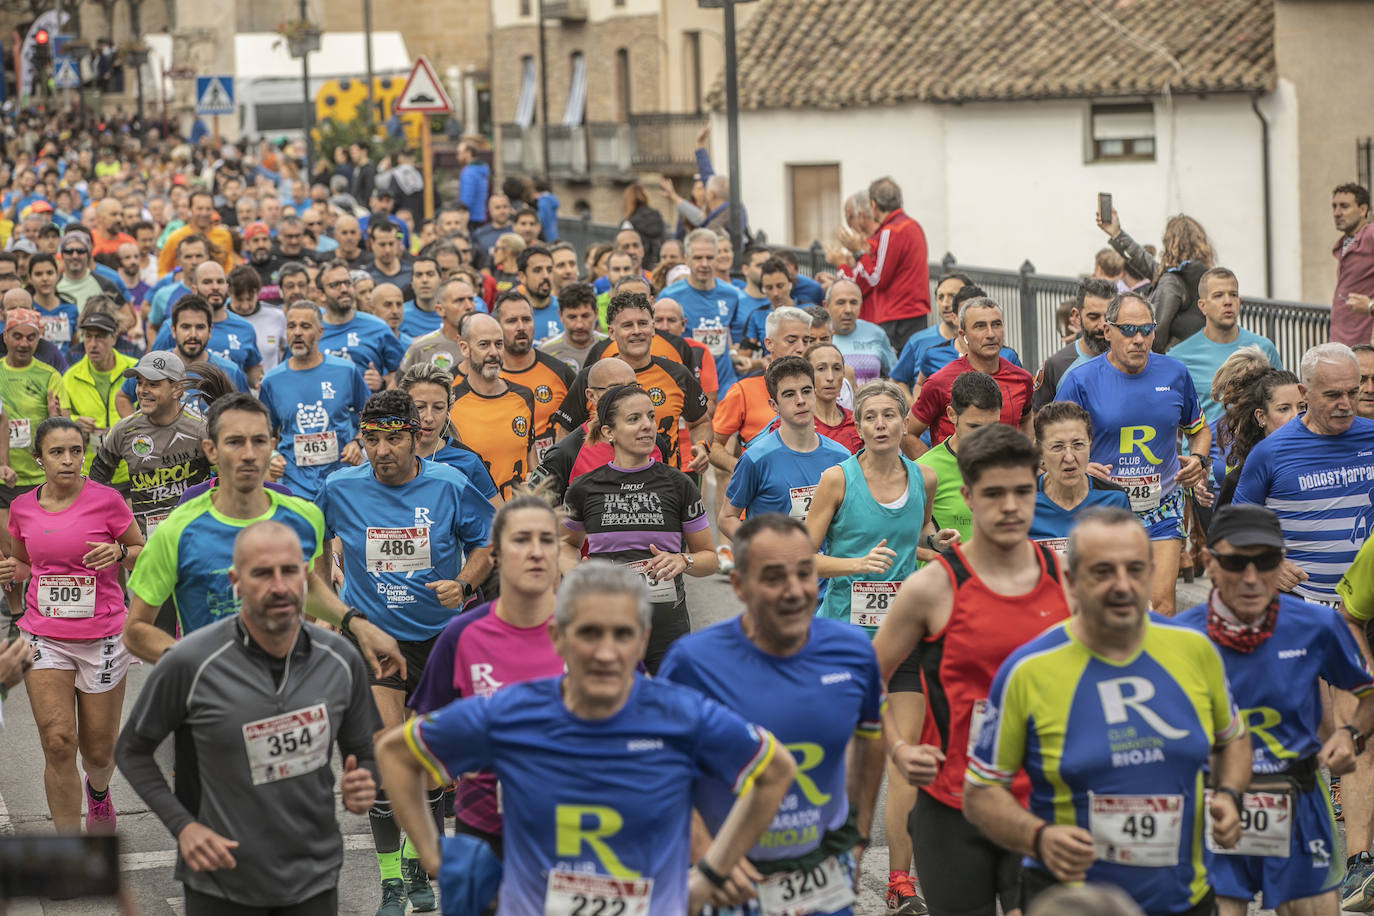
x=859, y=524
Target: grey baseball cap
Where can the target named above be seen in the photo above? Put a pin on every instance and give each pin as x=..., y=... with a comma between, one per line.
x=158, y=365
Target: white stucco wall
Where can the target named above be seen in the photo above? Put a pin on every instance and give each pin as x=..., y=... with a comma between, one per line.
x=997, y=184
x=906, y=143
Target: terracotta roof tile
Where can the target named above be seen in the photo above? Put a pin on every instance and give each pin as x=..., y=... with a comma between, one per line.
x=838, y=53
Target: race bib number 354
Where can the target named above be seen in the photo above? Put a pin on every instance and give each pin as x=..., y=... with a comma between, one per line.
x=291, y=744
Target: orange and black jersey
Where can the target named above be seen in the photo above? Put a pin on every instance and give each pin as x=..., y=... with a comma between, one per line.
x=499, y=428
x=671, y=386
x=668, y=346
x=549, y=379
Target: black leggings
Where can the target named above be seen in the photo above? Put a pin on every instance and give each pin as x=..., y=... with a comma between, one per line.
x=962, y=872
x=669, y=622
x=323, y=904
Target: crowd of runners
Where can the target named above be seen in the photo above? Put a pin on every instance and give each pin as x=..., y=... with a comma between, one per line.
x=427, y=493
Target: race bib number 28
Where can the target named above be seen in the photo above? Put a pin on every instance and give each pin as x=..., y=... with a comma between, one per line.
x=869, y=602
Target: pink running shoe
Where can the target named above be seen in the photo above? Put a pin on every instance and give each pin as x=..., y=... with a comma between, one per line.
x=100, y=815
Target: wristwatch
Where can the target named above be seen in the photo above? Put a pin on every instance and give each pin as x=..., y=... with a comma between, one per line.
x=1358, y=738
x=123, y=552
x=689, y=559
x=349, y=616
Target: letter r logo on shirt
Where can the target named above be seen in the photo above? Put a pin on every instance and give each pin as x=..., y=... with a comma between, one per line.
x=1116, y=705
x=604, y=822
x=1133, y=437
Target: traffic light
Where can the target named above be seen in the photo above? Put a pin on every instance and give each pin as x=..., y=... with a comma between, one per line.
x=42, y=47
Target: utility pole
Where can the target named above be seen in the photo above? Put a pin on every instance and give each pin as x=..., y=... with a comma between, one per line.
x=543, y=92
x=732, y=118
x=308, y=109
x=372, y=113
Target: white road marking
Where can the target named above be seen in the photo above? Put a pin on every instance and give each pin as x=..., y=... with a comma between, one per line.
x=166, y=858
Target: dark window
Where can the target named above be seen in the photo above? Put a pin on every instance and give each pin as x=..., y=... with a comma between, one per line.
x=273, y=116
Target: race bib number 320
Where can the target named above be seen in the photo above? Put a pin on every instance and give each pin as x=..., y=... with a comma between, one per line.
x=291, y=744
x=577, y=894
x=823, y=888
x=1142, y=830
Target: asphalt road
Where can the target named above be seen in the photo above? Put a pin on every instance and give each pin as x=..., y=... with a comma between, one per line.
x=148, y=851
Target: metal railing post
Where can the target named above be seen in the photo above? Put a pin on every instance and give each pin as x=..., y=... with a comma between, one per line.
x=1030, y=339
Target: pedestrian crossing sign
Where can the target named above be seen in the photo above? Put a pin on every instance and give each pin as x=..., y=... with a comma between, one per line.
x=65, y=75
x=214, y=95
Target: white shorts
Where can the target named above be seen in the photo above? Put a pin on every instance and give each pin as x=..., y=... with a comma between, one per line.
x=100, y=664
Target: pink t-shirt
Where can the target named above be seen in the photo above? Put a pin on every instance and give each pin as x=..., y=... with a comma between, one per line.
x=477, y=654
x=56, y=542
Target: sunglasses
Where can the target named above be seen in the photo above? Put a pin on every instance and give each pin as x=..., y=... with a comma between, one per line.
x=1131, y=330
x=69, y=252
x=1236, y=563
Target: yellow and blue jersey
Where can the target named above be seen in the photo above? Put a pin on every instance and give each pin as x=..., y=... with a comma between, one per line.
x=1088, y=730
x=587, y=803
x=834, y=692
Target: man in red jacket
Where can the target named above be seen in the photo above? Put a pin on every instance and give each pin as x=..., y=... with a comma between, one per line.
x=1352, y=309
x=894, y=273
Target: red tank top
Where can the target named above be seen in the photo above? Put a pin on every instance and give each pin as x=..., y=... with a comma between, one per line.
x=959, y=663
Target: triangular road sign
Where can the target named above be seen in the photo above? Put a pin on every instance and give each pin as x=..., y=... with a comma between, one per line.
x=423, y=94
x=64, y=74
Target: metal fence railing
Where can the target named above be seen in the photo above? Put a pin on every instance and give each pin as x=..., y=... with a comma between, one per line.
x=1031, y=300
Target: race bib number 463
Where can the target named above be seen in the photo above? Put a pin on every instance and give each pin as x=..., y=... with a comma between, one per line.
x=313, y=449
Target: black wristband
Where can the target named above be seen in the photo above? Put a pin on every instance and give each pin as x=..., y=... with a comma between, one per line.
x=1035, y=841
x=1235, y=797
x=348, y=618
x=710, y=874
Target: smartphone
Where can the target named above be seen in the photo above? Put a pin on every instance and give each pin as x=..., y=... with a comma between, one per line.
x=1104, y=207
x=82, y=865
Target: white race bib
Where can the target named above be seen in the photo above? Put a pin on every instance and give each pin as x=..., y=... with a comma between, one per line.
x=661, y=591
x=21, y=435
x=398, y=549
x=1144, y=491
x=314, y=449
x=291, y=744
x=1058, y=545
x=150, y=522
x=823, y=888
x=869, y=602
x=716, y=339
x=1266, y=826
x=1142, y=830
x=66, y=596
x=801, y=501
x=97, y=439
x=542, y=444
x=577, y=894
x=57, y=329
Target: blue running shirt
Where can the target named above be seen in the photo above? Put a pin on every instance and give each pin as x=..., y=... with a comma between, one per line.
x=1136, y=419
x=397, y=540
x=770, y=477
x=1052, y=522
x=834, y=692
x=365, y=339
x=601, y=808
x=315, y=412
x=1322, y=490
x=712, y=317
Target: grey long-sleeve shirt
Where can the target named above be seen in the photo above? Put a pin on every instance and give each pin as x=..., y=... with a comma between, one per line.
x=261, y=729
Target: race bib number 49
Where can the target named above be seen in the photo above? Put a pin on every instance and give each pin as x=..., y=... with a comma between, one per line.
x=291, y=744
x=1142, y=830
x=398, y=549
x=869, y=602
x=577, y=894
x=66, y=596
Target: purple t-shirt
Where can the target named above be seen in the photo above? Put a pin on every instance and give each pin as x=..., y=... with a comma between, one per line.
x=65, y=599
x=475, y=655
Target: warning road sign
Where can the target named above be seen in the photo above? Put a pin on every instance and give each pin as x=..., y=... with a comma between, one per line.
x=65, y=75
x=214, y=95
x=423, y=94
